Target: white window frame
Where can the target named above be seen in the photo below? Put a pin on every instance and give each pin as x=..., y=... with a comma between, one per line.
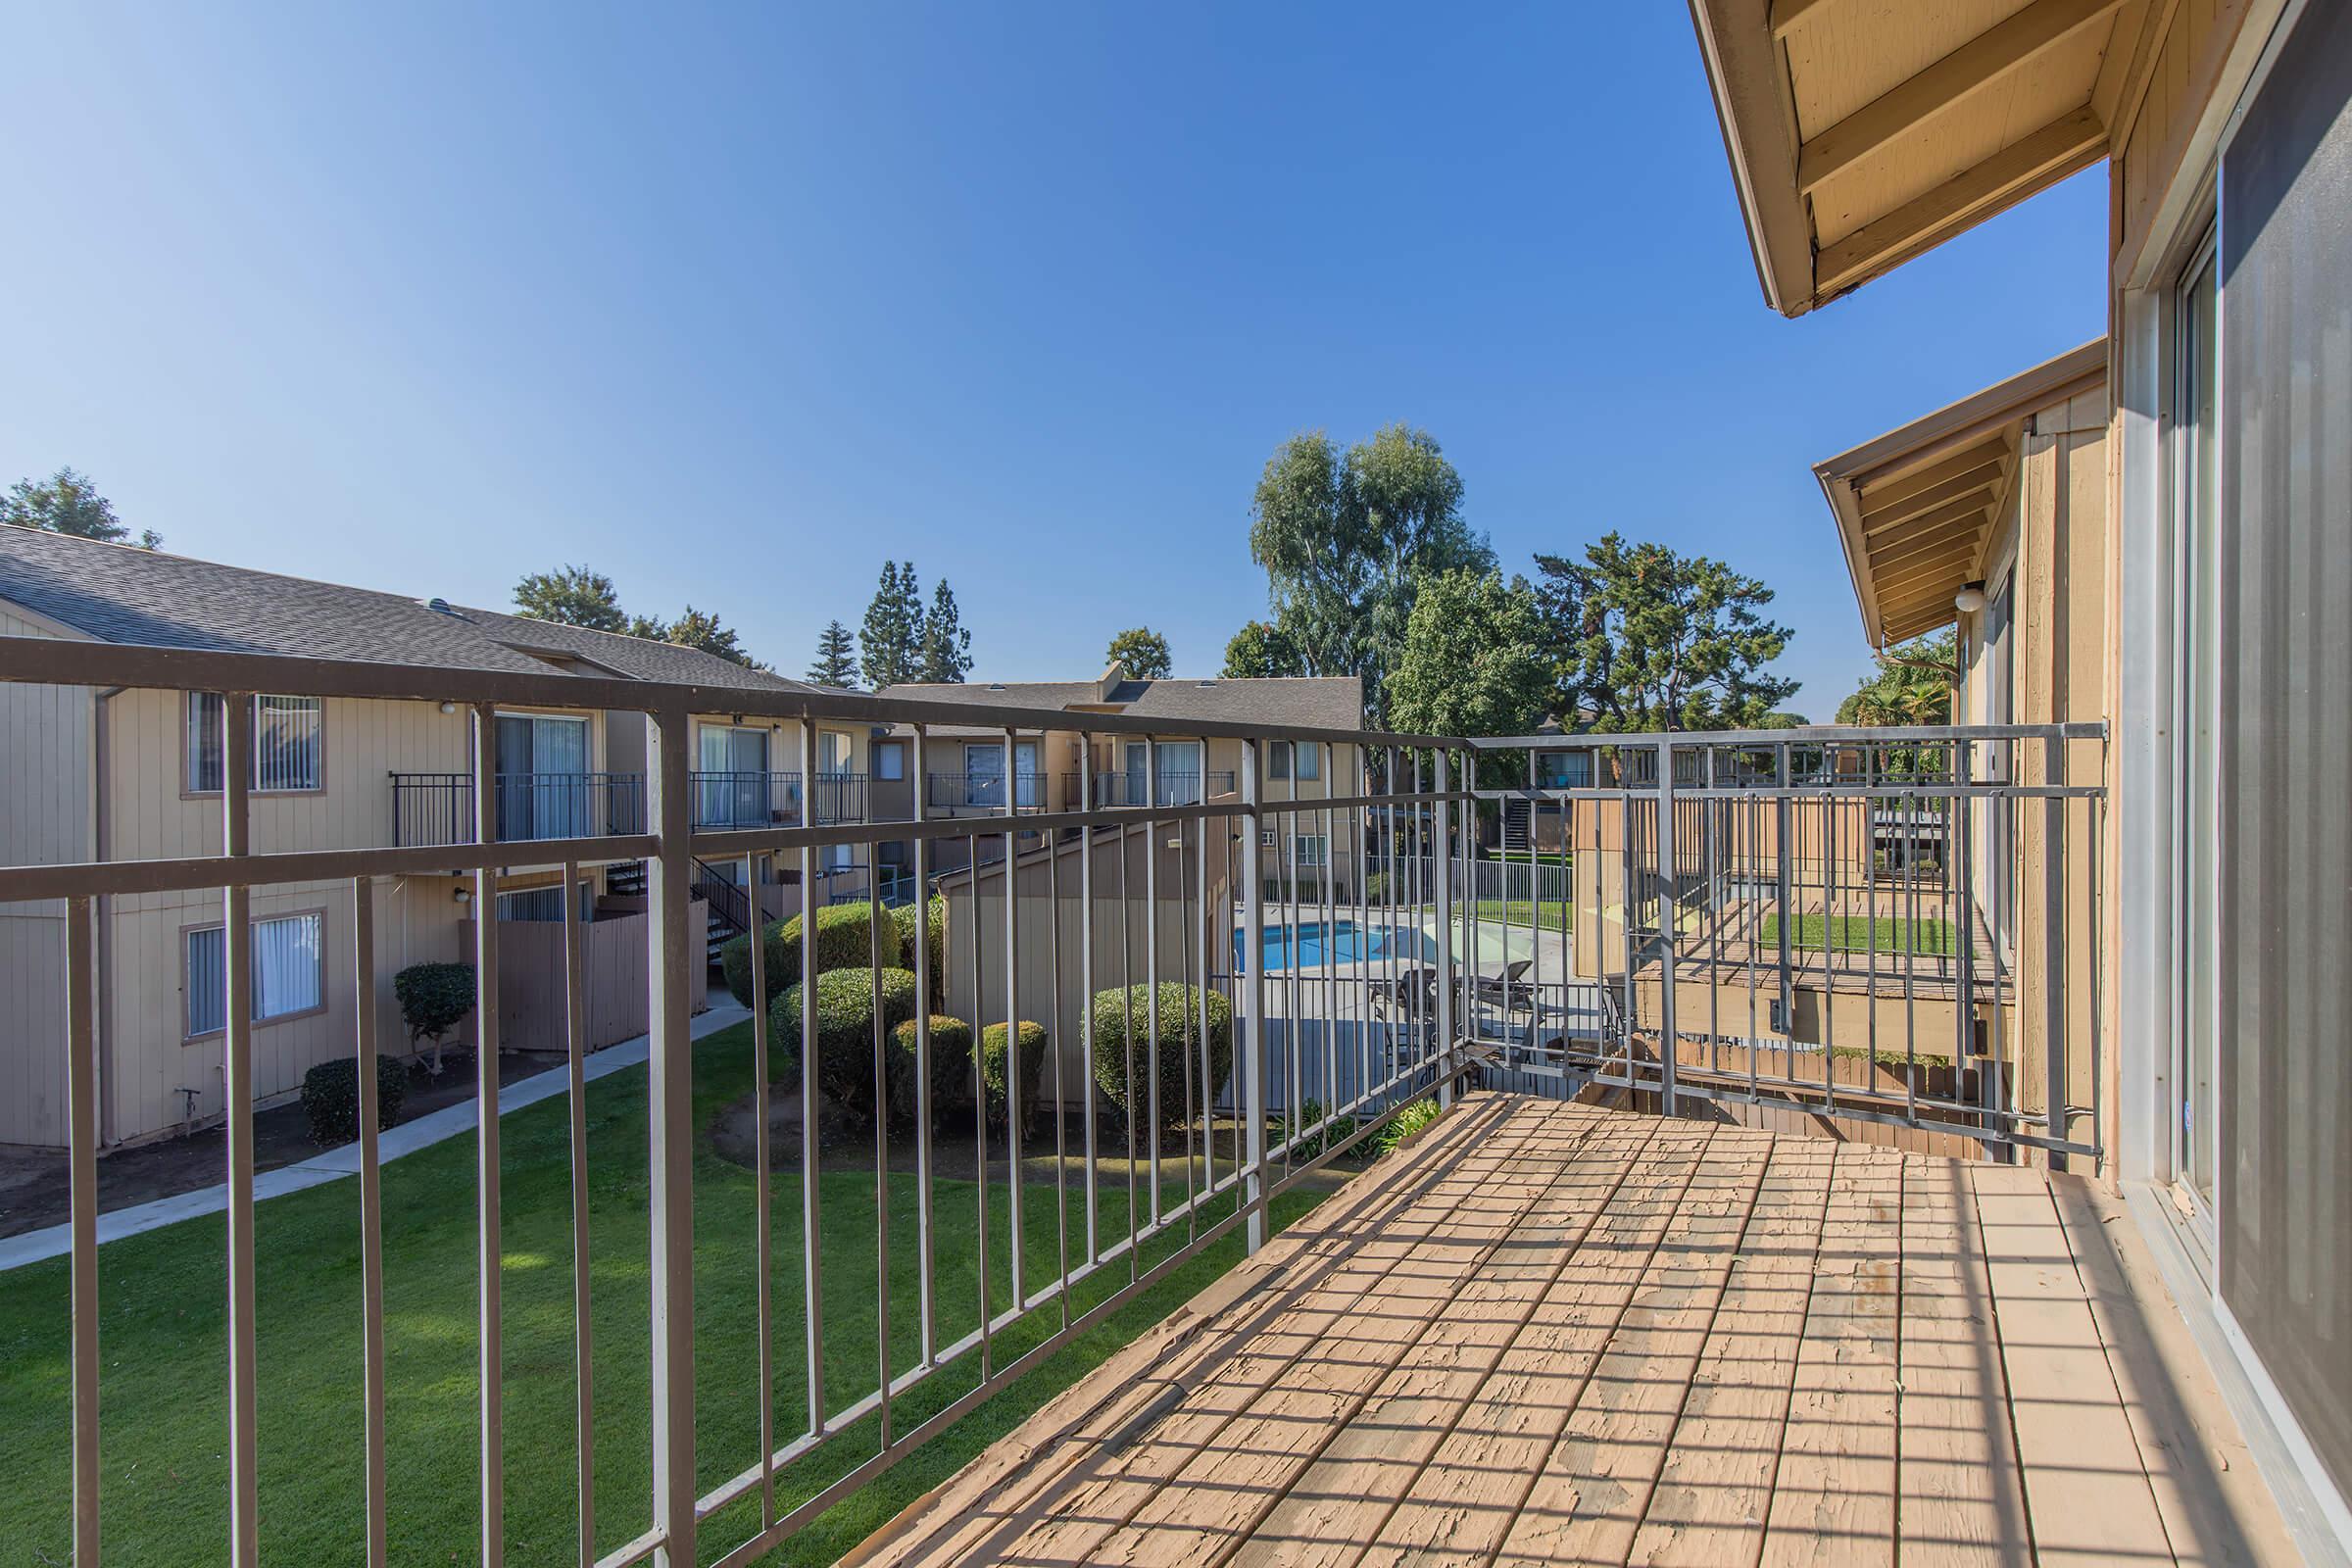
x=200, y=705
x=265, y=1008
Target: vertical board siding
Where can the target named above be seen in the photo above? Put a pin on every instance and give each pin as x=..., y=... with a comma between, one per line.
x=45, y=750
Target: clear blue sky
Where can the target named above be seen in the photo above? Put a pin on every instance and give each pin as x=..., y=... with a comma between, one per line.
x=733, y=303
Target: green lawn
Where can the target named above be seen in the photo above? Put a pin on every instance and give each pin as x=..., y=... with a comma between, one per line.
x=163, y=1333
x=1521, y=913
x=1854, y=933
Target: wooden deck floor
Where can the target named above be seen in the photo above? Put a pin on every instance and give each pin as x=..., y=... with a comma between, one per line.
x=1552, y=1333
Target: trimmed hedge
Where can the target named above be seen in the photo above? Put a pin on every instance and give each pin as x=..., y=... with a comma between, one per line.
x=951, y=1058
x=845, y=940
x=1033, y=1065
x=844, y=1035
x=908, y=918
x=330, y=1097
x=1179, y=1043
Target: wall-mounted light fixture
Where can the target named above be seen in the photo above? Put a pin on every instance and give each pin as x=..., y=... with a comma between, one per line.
x=448, y=707
x=1970, y=599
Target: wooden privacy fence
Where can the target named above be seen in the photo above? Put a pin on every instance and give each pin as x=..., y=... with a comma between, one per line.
x=530, y=980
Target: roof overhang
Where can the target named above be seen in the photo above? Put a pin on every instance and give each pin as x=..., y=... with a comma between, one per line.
x=1862, y=133
x=1918, y=506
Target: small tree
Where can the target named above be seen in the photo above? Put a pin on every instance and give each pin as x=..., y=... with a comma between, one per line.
x=836, y=661
x=67, y=502
x=946, y=654
x=575, y=596
x=1143, y=654
x=434, y=999
x=699, y=628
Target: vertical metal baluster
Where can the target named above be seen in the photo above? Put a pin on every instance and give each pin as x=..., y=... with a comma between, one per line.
x=371, y=1217
x=1331, y=919
x=236, y=765
x=811, y=1277
x=875, y=915
x=1361, y=988
x=1669, y=978
x=575, y=1060
x=1252, y=1041
x=82, y=1093
x=1086, y=966
x=1440, y=858
x=670, y=1118
x=1127, y=1033
x=979, y=1080
x=1054, y=1046
x=926, y=1290
x=1208, y=933
x=1185, y=992
x=488, y=1253
x=2053, y=940
x=1012, y=1019
x=1151, y=959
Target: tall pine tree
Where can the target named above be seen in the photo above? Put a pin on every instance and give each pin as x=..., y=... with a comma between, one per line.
x=947, y=647
x=890, y=643
x=836, y=661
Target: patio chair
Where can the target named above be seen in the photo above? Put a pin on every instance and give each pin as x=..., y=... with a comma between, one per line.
x=1510, y=991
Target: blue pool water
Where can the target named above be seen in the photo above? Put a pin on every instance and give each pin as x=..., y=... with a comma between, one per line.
x=1342, y=942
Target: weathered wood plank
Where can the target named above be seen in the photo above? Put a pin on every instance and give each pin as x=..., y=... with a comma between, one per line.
x=1833, y=1497
x=2086, y=1495
x=1463, y=1504
x=1594, y=1488
x=1290, y=1369
x=1332, y=1508
x=1961, y=1498
x=1708, y=1508
x=1228, y=1484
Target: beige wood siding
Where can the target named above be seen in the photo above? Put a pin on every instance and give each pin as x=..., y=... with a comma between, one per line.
x=2187, y=58
x=45, y=760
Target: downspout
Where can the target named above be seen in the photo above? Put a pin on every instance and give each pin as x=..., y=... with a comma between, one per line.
x=100, y=759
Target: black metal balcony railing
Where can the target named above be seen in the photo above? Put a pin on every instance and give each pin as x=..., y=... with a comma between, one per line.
x=948, y=792
x=436, y=809
x=838, y=797
x=746, y=800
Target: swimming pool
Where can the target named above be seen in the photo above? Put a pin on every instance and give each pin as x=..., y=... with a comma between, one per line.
x=1341, y=942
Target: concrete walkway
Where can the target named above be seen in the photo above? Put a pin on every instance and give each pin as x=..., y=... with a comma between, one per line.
x=450, y=1121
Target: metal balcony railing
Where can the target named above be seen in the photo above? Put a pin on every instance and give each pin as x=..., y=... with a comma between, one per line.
x=435, y=808
x=746, y=800
x=984, y=792
x=1257, y=1043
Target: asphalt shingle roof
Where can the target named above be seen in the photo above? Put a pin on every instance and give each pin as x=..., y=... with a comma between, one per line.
x=118, y=594
x=1309, y=701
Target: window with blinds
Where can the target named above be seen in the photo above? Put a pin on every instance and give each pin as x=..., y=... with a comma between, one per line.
x=288, y=743
x=289, y=972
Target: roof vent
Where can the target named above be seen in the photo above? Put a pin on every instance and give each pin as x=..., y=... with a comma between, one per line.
x=996, y=685
x=1207, y=684
x=439, y=605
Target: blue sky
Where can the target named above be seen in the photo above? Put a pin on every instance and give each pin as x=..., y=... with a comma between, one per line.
x=732, y=304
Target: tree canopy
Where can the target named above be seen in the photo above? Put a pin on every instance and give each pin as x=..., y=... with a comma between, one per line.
x=944, y=647
x=1912, y=685
x=1143, y=652
x=571, y=596
x=1642, y=639
x=577, y=596
x=836, y=661
x=1348, y=536
x=1472, y=661
x=890, y=644
x=1259, y=651
x=67, y=502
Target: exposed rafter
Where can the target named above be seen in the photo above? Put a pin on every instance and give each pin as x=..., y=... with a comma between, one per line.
x=1967, y=71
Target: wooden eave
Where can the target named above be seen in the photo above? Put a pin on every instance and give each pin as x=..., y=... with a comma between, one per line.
x=1917, y=506
x=1861, y=134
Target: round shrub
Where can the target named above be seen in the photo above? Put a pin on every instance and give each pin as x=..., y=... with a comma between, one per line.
x=844, y=1035
x=951, y=1058
x=330, y=1097
x=845, y=940
x=1033, y=1065
x=1119, y=1016
x=913, y=926
x=434, y=999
